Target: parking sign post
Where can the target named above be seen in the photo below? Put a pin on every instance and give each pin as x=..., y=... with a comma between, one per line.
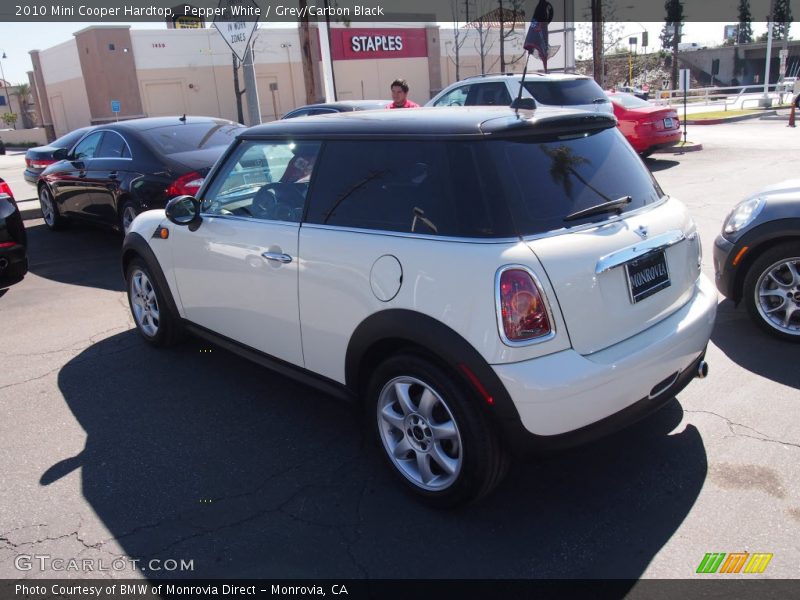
x=116, y=107
x=684, y=87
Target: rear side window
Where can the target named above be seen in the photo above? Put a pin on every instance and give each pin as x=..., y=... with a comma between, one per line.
x=569, y=92
x=546, y=180
x=494, y=93
x=112, y=146
x=423, y=187
x=186, y=137
x=87, y=147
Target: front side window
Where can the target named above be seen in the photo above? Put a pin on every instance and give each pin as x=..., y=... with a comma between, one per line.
x=264, y=180
x=87, y=147
x=456, y=97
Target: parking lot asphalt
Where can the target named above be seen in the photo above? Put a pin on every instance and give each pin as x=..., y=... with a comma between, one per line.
x=109, y=448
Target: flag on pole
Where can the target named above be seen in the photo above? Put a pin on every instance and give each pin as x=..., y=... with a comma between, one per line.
x=538, y=36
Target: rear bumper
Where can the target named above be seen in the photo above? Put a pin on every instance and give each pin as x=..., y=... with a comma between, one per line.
x=32, y=177
x=566, y=398
x=13, y=265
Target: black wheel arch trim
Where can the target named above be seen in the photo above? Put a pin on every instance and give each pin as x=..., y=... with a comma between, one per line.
x=135, y=245
x=759, y=239
x=437, y=339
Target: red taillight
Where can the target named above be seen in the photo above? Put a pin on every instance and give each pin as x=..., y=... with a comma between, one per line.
x=523, y=312
x=38, y=163
x=7, y=244
x=5, y=190
x=185, y=185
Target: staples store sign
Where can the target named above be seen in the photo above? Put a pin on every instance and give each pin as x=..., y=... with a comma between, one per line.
x=355, y=44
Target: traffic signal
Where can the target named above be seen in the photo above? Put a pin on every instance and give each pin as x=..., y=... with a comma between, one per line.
x=644, y=39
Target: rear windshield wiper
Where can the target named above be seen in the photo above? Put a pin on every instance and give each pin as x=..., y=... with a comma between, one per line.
x=600, y=100
x=610, y=206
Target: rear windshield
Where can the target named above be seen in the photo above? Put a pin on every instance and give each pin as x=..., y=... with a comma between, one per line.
x=569, y=92
x=68, y=140
x=629, y=101
x=545, y=181
x=174, y=139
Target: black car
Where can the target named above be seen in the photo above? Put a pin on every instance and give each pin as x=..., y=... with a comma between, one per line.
x=39, y=158
x=757, y=258
x=336, y=107
x=13, y=241
x=118, y=170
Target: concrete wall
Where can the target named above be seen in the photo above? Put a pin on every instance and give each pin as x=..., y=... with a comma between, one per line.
x=109, y=71
x=15, y=137
x=65, y=87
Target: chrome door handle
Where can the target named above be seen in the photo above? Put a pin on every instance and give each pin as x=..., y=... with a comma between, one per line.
x=282, y=258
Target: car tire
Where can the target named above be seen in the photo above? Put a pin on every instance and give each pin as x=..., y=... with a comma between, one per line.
x=647, y=153
x=50, y=213
x=154, y=319
x=433, y=434
x=772, y=291
x=128, y=211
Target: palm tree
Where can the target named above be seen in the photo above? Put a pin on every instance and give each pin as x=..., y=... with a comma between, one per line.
x=23, y=93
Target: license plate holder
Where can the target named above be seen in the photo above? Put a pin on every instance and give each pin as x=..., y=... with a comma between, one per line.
x=647, y=275
x=668, y=123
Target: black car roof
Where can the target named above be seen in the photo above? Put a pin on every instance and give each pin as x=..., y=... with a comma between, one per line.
x=155, y=122
x=456, y=122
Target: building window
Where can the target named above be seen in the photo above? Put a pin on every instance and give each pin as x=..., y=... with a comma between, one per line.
x=2, y=100
x=111, y=47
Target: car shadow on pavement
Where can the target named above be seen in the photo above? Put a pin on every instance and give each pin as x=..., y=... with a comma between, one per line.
x=752, y=348
x=195, y=454
x=659, y=164
x=78, y=255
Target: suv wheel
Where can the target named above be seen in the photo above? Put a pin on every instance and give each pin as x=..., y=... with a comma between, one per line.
x=772, y=291
x=432, y=433
x=153, y=318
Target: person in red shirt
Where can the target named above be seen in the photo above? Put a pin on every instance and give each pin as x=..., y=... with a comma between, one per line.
x=400, y=95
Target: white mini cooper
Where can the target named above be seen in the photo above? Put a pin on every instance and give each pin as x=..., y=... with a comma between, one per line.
x=482, y=280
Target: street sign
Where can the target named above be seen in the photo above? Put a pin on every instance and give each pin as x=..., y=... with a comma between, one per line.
x=236, y=21
x=116, y=106
x=684, y=83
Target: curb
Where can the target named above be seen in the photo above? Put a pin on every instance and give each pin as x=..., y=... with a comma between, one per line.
x=766, y=113
x=29, y=210
x=680, y=150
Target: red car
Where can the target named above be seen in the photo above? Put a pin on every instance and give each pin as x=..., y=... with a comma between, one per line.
x=647, y=127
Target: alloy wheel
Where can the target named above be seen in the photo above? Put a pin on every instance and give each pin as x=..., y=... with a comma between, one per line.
x=419, y=433
x=46, y=204
x=144, y=303
x=128, y=215
x=777, y=296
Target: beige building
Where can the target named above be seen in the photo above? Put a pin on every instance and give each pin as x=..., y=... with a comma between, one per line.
x=190, y=71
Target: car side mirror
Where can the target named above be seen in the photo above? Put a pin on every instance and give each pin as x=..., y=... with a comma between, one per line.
x=184, y=211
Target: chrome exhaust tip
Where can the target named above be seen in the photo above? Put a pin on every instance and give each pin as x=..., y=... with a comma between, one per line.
x=702, y=370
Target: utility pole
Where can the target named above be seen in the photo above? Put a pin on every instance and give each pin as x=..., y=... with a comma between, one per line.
x=251, y=91
x=597, y=42
x=305, y=51
x=766, y=101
